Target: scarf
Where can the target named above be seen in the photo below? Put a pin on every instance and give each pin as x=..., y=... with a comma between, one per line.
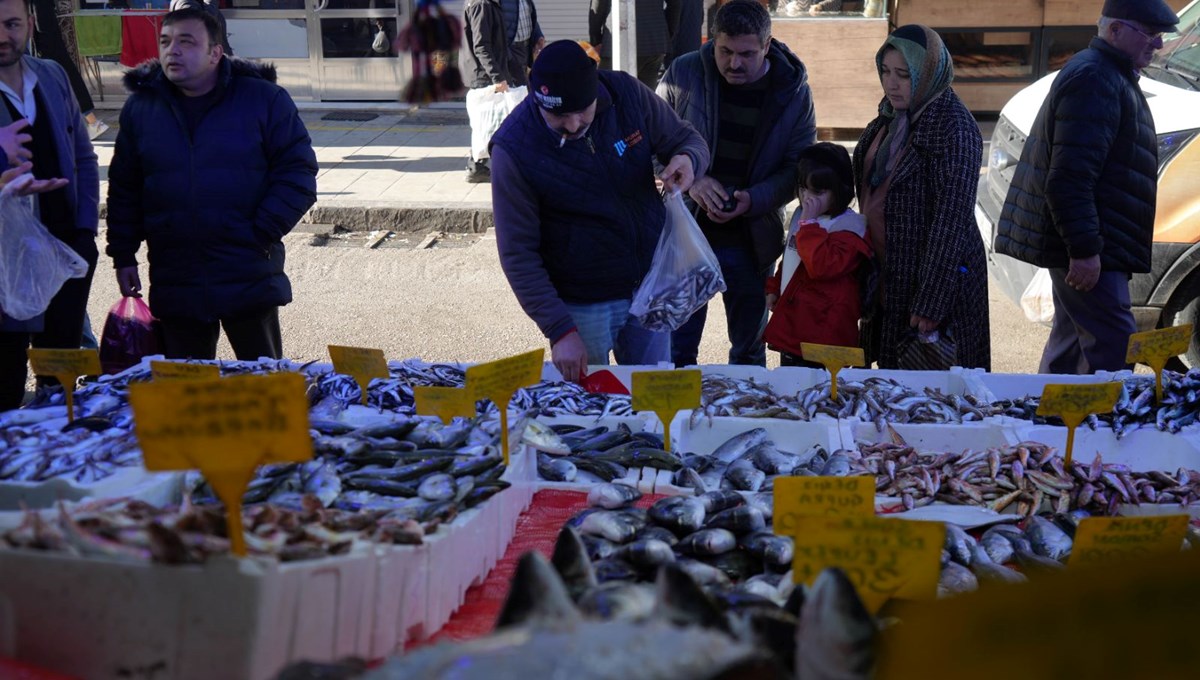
x=930, y=71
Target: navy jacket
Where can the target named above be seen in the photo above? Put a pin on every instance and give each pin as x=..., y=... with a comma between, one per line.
x=1088, y=177
x=578, y=221
x=212, y=208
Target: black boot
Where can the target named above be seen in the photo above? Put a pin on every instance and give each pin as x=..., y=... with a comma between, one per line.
x=478, y=172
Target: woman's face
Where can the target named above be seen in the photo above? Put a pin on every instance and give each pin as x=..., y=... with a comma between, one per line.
x=897, y=84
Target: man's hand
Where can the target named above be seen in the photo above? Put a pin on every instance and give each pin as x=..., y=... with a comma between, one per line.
x=743, y=206
x=537, y=49
x=129, y=282
x=771, y=300
x=570, y=357
x=922, y=324
x=1084, y=273
x=13, y=141
x=501, y=86
x=708, y=193
x=25, y=185
x=679, y=173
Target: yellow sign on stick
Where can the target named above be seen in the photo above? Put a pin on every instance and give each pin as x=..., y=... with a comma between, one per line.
x=1101, y=540
x=499, y=381
x=225, y=428
x=1155, y=348
x=182, y=370
x=884, y=558
x=1073, y=403
x=1131, y=620
x=446, y=403
x=834, y=358
x=666, y=393
x=361, y=363
x=797, y=497
x=66, y=365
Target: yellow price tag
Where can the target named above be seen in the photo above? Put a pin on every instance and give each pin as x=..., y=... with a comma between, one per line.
x=1136, y=621
x=444, y=402
x=361, y=363
x=1155, y=348
x=834, y=358
x=1073, y=403
x=225, y=428
x=797, y=497
x=884, y=558
x=666, y=393
x=181, y=370
x=499, y=380
x=1100, y=540
x=66, y=365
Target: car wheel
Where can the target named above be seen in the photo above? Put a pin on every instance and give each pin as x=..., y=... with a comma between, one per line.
x=1184, y=307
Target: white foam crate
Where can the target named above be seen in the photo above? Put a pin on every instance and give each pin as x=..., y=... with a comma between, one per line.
x=156, y=488
x=1144, y=449
x=936, y=437
x=789, y=435
x=996, y=386
x=228, y=618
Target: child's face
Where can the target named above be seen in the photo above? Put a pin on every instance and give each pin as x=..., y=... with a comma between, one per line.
x=821, y=198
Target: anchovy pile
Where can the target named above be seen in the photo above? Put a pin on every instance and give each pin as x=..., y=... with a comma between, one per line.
x=1030, y=477
x=874, y=400
x=131, y=530
x=572, y=453
x=1136, y=406
x=668, y=308
x=553, y=398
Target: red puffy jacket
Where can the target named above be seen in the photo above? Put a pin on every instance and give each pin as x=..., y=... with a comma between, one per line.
x=821, y=304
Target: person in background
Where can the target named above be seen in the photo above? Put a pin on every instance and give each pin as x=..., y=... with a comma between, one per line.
x=578, y=214
x=691, y=27
x=749, y=96
x=523, y=35
x=815, y=295
x=212, y=7
x=916, y=169
x=67, y=199
x=657, y=24
x=48, y=41
x=212, y=167
x=1083, y=195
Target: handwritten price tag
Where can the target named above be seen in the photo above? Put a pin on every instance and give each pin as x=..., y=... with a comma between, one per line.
x=884, y=558
x=1100, y=540
x=444, y=402
x=1073, y=403
x=226, y=428
x=1155, y=348
x=361, y=363
x=666, y=393
x=180, y=370
x=66, y=365
x=834, y=358
x=797, y=497
x=499, y=380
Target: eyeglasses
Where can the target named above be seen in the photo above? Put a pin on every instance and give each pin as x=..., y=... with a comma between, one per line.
x=1152, y=37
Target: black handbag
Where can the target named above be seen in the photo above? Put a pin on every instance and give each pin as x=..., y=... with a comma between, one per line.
x=916, y=354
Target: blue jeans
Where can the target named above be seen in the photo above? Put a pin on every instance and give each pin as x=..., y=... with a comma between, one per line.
x=745, y=313
x=607, y=327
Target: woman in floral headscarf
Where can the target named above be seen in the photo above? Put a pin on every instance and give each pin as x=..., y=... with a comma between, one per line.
x=916, y=168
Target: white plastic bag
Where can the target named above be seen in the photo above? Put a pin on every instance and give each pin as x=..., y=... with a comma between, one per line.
x=33, y=263
x=1037, y=301
x=487, y=109
x=683, y=276
x=380, y=44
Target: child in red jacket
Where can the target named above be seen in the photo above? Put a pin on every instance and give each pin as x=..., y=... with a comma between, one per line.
x=819, y=274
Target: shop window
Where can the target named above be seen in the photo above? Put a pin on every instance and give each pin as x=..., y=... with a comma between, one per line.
x=354, y=38
x=802, y=9
x=989, y=54
x=268, y=38
x=1060, y=44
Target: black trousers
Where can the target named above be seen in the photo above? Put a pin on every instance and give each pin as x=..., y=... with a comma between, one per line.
x=1091, y=330
x=62, y=328
x=251, y=335
x=48, y=40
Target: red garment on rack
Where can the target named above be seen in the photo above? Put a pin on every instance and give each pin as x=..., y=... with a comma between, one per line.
x=139, y=37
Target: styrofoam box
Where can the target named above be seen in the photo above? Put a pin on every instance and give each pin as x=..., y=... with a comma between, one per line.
x=228, y=618
x=789, y=435
x=996, y=386
x=156, y=488
x=937, y=437
x=1143, y=449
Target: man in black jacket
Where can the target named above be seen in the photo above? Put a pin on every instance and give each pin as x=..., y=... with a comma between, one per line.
x=1082, y=198
x=657, y=22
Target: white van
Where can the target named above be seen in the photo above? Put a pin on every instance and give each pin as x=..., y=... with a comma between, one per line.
x=1170, y=293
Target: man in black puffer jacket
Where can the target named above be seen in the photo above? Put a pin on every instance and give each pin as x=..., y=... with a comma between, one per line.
x=1082, y=198
x=212, y=167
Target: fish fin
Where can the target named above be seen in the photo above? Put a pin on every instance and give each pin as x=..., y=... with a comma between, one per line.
x=795, y=601
x=571, y=562
x=894, y=436
x=836, y=634
x=536, y=594
x=680, y=601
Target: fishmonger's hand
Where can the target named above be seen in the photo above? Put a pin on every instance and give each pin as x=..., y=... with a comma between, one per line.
x=679, y=173
x=570, y=357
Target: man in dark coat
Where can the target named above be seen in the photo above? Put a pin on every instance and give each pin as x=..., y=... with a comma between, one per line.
x=1082, y=198
x=749, y=96
x=212, y=167
x=657, y=23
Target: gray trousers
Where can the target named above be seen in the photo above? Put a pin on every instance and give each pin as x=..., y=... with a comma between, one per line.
x=1091, y=330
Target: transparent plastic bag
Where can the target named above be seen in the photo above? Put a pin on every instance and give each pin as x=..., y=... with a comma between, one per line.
x=486, y=110
x=129, y=335
x=1037, y=300
x=33, y=263
x=683, y=276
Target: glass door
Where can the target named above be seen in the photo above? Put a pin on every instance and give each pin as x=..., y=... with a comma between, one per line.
x=352, y=44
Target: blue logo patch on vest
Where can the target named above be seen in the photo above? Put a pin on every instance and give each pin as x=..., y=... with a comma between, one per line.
x=620, y=146
x=629, y=141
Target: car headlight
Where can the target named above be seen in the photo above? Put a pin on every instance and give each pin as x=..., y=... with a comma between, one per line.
x=1170, y=143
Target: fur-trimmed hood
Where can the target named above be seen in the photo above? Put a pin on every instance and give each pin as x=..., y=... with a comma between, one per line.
x=145, y=76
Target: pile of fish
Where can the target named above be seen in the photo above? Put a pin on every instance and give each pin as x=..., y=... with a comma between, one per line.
x=667, y=307
x=1136, y=405
x=134, y=531
x=573, y=453
x=875, y=400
